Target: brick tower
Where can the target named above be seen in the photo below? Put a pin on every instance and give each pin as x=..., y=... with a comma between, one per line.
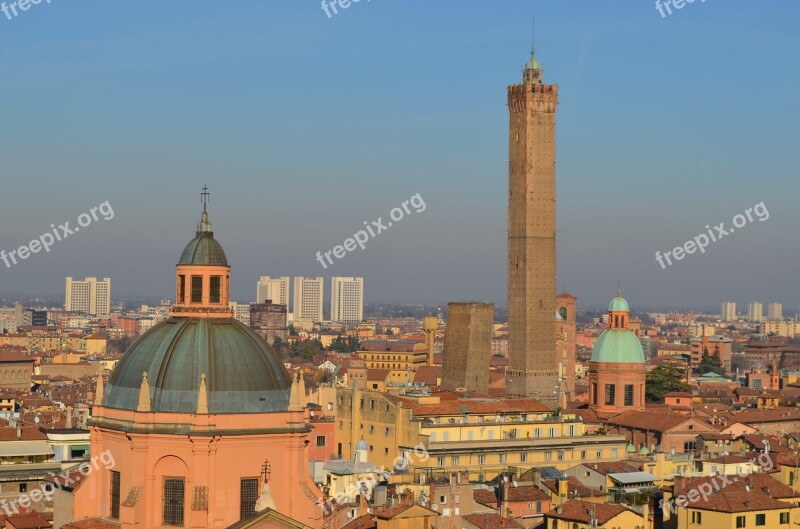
x=533, y=362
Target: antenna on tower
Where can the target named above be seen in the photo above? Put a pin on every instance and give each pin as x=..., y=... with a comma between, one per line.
x=533, y=35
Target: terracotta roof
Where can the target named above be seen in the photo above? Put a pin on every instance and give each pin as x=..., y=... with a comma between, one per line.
x=387, y=513
x=462, y=406
x=377, y=374
x=92, y=523
x=612, y=467
x=729, y=460
x=580, y=511
x=731, y=494
x=751, y=416
x=32, y=520
x=428, y=374
x=492, y=521
x=656, y=422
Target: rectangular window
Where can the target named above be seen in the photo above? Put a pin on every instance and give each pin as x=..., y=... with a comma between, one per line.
x=784, y=518
x=523, y=458
x=628, y=394
x=594, y=394
x=481, y=459
x=454, y=461
x=697, y=517
x=197, y=289
x=215, y=290
x=538, y=507
x=548, y=456
x=440, y=461
x=583, y=454
x=115, y=488
x=173, y=499
x=181, y=289
x=614, y=453
x=611, y=394
x=761, y=519
x=502, y=458
x=249, y=496
x=740, y=522
x=320, y=441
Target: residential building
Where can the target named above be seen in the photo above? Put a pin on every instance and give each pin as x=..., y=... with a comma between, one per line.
x=579, y=514
x=347, y=299
x=308, y=297
x=273, y=288
x=755, y=312
x=788, y=329
x=89, y=296
x=728, y=312
x=775, y=312
x=399, y=357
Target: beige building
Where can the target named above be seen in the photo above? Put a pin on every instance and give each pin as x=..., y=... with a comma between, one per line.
x=789, y=329
x=273, y=288
x=308, y=297
x=347, y=299
x=89, y=296
x=482, y=437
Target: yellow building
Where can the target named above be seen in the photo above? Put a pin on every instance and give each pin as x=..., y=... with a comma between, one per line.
x=449, y=432
x=400, y=356
x=731, y=502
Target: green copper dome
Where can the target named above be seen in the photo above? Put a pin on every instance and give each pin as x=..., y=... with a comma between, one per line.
x=243, y=374
x=618, y=304
x=619, y=346
x=533, y=64
x=204, y=249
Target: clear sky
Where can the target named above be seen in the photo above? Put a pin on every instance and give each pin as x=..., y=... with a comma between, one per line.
x=305, y=126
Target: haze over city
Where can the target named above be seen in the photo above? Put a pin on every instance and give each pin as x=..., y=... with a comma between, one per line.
x=305, y=126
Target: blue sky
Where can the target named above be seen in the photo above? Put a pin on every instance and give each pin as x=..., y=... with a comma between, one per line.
x=305, y=126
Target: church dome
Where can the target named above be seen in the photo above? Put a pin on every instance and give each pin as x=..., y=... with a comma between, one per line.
x=618, y=346
x=618, y=304
x=204, y=249
x=242, y=374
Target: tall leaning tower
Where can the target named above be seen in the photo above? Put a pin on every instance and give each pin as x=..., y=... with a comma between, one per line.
x=533, y=363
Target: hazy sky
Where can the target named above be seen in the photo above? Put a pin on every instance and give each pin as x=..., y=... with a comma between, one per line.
x=305, y=126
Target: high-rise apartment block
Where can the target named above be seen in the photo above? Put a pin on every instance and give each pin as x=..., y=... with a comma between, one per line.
x=275, y=289
x=755, y=312
x=467, y=346
x=89, y=296
x=728, y=311
x=347, y=299
x=308, y=296
x=533, y=361
x=775, y=312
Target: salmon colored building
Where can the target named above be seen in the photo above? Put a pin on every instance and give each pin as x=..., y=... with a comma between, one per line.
x=204, y=424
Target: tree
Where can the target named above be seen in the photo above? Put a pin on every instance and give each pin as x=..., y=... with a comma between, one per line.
x=710, y=363
x=663, y=380
x=292, y=331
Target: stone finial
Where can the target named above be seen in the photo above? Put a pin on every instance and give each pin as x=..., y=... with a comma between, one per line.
x=144, y=395
x=302, y=391
x=294, y=394
x=98, y=394
x=202, y=397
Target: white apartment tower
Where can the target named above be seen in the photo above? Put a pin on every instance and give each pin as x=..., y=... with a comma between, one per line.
x=89, y=296
x=308, y=298
x=775, y=312
x=273, y=288
x=728, y=312
x=347, y=299
x=755, y=312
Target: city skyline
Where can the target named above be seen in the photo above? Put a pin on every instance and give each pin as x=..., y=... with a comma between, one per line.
x=643, y=163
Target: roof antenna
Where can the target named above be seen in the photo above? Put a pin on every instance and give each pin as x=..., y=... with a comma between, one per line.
x=533, y=35
x=205, y=197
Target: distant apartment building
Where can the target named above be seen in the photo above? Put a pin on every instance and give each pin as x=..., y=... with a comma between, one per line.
x=755, y=312
x=789, y=329
x=347, y=299
x=775, y=312
x=728, y=312
x=89, y=296
x=273, y=288
x=308, y=296
x=268, y=320
x=241, y=311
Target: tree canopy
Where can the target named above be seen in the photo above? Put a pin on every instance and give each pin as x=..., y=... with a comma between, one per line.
x=662, y=380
